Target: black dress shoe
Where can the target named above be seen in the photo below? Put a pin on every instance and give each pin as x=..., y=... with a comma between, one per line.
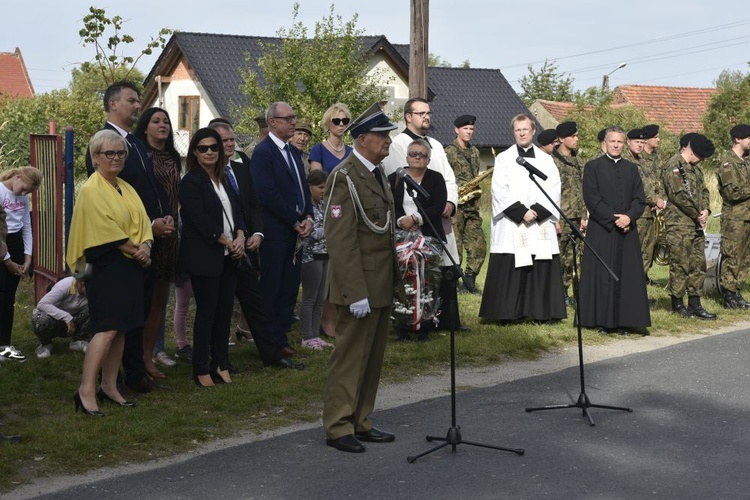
x=142, y=386
x=701, y=313
x=375, y=436
x=288, y=352
x=288, y=364
x=347, y=443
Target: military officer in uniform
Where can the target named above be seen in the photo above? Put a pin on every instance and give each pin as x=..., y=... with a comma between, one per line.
x=733, y=175
x=572, y=204
x=363, y=275
x=685, y=220
x=467, y=224
x=262, y=134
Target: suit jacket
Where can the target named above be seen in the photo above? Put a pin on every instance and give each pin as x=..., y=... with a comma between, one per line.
x=434, y=184
x=203, y=223
x=275, y=186
x=139, y=173
x=249, y=201
x=362, y=263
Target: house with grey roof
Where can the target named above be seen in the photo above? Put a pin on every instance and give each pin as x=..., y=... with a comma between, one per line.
x=197, y=77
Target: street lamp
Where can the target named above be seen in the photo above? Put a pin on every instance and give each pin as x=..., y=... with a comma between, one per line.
x=605, y=78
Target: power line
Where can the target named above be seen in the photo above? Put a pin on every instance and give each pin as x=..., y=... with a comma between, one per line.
x=637, y=44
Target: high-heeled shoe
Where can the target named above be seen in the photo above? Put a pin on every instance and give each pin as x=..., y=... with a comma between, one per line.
x=203, y=381
x=221, y=376
x=104, y=396
x=79, y=404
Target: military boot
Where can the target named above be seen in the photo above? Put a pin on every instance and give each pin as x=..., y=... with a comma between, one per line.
x=732, y=300
x=470, y=283
x=695, y=307
x=744, y=304
x=678, y=307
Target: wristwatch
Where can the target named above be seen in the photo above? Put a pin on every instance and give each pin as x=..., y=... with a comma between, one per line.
x=149, y=243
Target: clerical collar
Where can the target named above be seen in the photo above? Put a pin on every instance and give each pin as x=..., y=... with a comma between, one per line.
x=613, y=158
x=415, y=136
x=526, y=152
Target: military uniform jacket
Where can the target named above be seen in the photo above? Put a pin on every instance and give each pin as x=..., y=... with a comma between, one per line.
x=686, y=197
x=571, y=183
x=362, y=262
x=651, y=179
x=733, y=175
x=464, y=162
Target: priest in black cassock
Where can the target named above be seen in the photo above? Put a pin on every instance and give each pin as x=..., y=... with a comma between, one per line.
x=614, y=196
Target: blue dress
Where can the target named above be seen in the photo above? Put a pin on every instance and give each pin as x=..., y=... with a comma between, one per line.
x=322, y=155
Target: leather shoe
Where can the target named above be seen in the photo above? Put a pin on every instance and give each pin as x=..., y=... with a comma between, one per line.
x=375, y=436
x=288, y=352
x=288, y=364
x=347, y=443
x=701, y=313
x=142, y=386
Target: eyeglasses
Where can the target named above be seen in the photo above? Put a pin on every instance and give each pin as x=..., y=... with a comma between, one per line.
x=120, y=153
x=418, y=154
x=421, y=114
x=340, y=121
x=203, y=148
x=288, y=119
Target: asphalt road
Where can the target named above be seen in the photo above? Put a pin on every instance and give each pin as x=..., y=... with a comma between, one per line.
x=687, y=437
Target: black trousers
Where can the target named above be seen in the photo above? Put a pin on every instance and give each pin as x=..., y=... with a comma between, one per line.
x=251, y=302
x=8, y=286
x=214, y=302
x=132, y=355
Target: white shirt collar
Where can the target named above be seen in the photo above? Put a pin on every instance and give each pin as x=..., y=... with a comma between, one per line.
x=367, y=163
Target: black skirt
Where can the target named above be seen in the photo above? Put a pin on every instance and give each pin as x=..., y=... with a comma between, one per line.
x=534, y=292
x=115, y=293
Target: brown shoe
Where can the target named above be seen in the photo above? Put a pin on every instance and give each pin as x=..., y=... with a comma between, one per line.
x=288, y=352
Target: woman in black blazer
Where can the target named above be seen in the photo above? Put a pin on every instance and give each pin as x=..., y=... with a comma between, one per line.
x=213, y=242
x=407, y=216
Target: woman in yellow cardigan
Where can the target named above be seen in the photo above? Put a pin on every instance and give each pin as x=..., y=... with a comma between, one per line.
x=109, y=245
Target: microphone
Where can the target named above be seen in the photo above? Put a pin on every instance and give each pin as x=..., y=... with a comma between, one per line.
x=531, y=168
x=401, y=172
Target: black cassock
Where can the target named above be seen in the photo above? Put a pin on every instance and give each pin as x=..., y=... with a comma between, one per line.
x=610, y=188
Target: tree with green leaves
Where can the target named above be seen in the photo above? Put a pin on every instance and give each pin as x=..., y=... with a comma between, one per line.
x=311, y=71
x=728, y=107
x=546, y=83
x=105, y=34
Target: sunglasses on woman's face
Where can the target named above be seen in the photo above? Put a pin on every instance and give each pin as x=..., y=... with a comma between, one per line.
x=417, y=154
x=340, y=121
x=203, y=148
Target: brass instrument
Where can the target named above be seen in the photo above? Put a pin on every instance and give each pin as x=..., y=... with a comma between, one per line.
x=471, y=189
x=661, y=253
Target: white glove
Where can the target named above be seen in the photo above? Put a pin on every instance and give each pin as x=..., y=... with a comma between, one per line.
x=360, y=309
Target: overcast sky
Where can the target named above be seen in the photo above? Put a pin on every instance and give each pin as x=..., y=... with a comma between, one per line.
x=685, y=43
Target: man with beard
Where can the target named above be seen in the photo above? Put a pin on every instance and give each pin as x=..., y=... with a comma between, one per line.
x=614, y=196
x=734, y=186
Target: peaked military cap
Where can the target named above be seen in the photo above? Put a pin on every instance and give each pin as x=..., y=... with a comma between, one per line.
x=650, y=131
x=741, y=131
x=702, y=146
x=464, y=120
x=372, y=120
x=546, y=137
x=636, y=133
x=566, y=129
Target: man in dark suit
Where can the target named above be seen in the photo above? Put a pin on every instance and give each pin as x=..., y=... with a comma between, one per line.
x=122, y=103
x=363, y=275
x=248, y=288
x=280, y=182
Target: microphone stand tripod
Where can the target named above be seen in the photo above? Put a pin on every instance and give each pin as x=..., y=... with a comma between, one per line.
x=583, y=402
x=453, y=436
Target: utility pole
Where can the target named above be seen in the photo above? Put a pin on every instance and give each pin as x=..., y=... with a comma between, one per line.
x=418, y=48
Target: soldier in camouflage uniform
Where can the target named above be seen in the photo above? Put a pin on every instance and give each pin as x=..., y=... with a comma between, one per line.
x=685, y=221
x=467, y=223
x=650, y=153
x=547, y=140
x=651, y=178
x=734, y=186
x=571, y=202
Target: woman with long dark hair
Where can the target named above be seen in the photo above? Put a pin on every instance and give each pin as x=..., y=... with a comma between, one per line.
x=154, y=128
x=212, y=245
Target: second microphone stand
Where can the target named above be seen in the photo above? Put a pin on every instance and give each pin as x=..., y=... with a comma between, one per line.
x=453, y=436
x=583, y=402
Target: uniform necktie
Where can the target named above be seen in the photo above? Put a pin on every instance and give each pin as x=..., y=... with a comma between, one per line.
x=232, y=180
x=295, y=178
x=378, y=176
